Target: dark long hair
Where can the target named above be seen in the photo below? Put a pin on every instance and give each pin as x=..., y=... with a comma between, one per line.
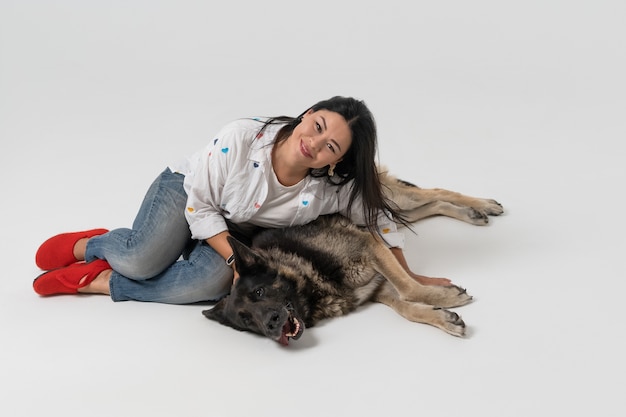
x=359, y=162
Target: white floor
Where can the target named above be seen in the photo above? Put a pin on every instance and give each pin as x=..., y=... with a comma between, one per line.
x=523, y=103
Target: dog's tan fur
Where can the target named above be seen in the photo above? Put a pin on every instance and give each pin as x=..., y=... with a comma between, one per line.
x=418, y=203
x=329, y=267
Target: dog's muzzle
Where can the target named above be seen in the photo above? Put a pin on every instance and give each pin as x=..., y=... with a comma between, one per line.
x=292, y=329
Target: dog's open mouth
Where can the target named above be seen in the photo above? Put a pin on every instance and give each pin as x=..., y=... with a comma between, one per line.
x=291, y=329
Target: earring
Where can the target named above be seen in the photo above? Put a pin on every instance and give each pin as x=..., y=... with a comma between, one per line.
x=331, y=170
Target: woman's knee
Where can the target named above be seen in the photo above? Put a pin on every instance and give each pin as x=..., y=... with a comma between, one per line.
x=140, y=266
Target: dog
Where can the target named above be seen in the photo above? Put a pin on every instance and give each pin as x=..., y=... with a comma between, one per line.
x=290, y=279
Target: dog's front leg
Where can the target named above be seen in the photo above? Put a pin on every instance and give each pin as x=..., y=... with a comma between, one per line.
x=410, y=290
x=447, y=321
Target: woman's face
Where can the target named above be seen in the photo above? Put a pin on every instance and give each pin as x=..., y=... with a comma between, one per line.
x=322, y=138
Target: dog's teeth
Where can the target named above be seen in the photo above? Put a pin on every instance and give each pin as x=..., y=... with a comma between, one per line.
x=295, y=332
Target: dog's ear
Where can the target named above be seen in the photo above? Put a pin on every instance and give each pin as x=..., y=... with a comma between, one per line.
x=247, y=261
x=217, y=312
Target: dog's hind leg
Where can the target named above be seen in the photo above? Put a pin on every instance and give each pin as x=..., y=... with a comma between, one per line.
x=447, y=321
x=444, y=208
x=487, y=205
x=417, y=203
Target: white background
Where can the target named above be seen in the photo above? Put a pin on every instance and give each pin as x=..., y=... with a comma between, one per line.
x=524, y=102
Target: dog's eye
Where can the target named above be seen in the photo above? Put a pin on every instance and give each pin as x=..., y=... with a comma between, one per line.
x=259, y=292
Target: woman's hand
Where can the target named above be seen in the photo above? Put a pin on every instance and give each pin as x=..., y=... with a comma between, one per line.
x=235, y=276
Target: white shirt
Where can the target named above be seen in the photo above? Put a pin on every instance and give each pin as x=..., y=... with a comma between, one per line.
x=280, y=204
x=229, y=179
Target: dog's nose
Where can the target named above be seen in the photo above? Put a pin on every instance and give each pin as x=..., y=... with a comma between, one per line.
x=274, y=321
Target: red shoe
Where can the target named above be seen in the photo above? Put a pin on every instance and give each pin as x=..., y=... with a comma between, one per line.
x=66, y=280
x=58, y=251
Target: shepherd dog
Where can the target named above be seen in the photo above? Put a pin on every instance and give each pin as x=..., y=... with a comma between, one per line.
x=292, y=278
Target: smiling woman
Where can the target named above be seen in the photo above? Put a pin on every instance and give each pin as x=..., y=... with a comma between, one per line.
x=254, y=174
x=320, y=140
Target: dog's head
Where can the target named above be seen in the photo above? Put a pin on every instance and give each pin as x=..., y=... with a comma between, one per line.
x=260, y=301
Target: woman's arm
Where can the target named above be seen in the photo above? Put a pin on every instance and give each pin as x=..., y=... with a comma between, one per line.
x=220, y=244
x=424, y=280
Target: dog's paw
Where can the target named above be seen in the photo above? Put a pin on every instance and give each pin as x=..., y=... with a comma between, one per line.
x=454, y=296
x=492, y=207
x=452, y=323
x=441, y=296
x=477, y=216
x=479, y=213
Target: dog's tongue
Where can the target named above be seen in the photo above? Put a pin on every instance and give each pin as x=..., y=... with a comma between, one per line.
x=284, y=339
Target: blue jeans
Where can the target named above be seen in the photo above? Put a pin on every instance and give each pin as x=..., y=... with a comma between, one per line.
x=157, y=260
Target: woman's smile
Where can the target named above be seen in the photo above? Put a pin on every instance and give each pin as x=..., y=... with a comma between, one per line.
x=305, y=150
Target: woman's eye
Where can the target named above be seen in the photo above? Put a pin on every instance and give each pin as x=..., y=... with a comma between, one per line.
x=331, y=147
x=318, y=127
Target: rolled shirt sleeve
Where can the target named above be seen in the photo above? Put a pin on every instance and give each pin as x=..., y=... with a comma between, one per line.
x=205, y=185
x=226, y=180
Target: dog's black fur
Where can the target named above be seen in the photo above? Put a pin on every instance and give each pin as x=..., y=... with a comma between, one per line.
x=292, y=278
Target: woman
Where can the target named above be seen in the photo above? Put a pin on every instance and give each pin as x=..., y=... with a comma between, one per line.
x=255, y=174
